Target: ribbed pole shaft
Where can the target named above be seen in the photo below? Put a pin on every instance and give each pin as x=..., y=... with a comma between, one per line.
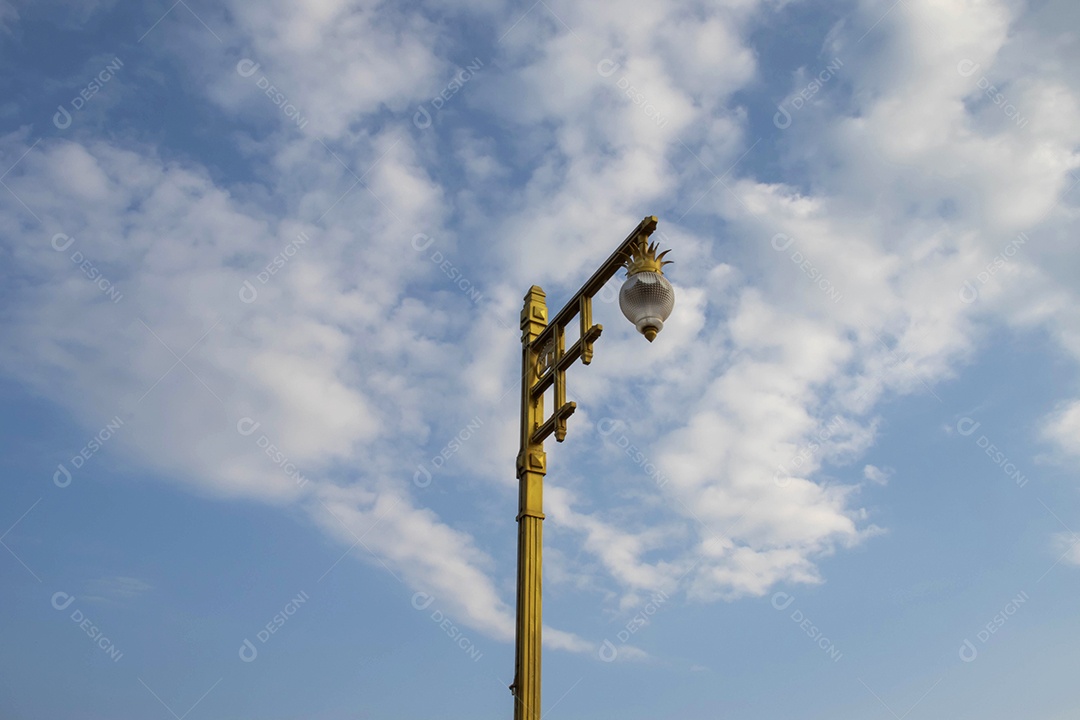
x=529, y=622
x=531, y=468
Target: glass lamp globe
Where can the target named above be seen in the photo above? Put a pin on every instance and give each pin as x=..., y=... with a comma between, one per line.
x=647, y=299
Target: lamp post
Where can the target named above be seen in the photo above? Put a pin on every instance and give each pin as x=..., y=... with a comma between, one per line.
x=646, y=299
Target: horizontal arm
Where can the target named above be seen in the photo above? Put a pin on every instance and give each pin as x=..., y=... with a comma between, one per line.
x=599, y=278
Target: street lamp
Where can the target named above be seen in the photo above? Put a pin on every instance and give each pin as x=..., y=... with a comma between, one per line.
x=646, y=299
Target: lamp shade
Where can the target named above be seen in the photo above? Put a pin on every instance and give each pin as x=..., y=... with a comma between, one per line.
x=647, y=299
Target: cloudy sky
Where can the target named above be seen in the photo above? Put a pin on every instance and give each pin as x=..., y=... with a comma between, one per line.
x=262, y=265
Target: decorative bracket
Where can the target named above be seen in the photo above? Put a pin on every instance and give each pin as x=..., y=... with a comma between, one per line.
x=547, y=348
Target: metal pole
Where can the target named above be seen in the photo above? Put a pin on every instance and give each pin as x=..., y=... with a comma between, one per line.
x=531, y=468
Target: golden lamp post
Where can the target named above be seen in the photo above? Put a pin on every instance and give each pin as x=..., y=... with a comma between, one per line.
x=646, y=298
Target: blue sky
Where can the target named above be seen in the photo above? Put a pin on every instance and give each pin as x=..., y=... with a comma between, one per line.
x=261, y=275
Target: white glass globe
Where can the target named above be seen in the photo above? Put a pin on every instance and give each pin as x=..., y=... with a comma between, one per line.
x=647, y=299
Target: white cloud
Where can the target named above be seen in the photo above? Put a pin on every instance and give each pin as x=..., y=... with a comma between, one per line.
x=876, y=475
x=1063, y=428
x=1068, y=545
x=352, y=354
x=336, y=61
x=116, y=588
